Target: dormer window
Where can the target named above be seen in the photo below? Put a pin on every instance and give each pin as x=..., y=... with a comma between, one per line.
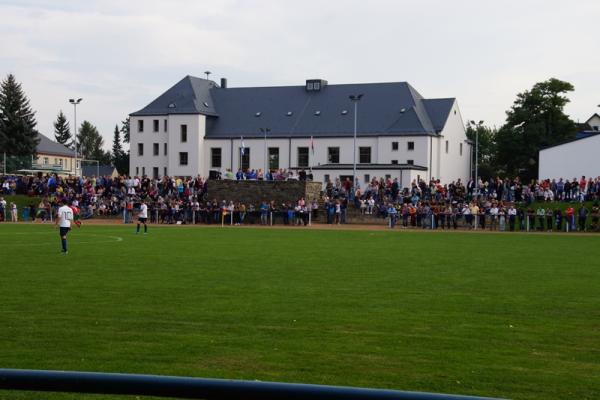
x=205, y=104
x=317, y=113
x=289, y=113
x=257, y=114
x=344, y=112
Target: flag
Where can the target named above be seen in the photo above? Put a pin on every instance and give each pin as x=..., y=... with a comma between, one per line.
x=312, y=146
x=243, y=148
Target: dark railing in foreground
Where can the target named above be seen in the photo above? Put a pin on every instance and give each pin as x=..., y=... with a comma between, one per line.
x=195, y=388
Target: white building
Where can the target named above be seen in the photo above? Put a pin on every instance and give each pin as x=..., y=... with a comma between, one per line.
x=576, y=158
x=198, y=126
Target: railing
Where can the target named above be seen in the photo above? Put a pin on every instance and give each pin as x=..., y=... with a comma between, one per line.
x=195, y=388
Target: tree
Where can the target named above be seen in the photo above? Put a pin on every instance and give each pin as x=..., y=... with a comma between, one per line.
x=125, y=130
x=535, y=120
x=486, y=163
x=120, y=159
x=18, y=136
x=62, y=132
x=90, y=142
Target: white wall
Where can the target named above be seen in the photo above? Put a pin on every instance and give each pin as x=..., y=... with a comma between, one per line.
x=594, y=122
x=193, y=146
x=140, y=164
x=571, y=160
x=452, y=165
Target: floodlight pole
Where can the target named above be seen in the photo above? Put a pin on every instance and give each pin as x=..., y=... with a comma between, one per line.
x=75, y=103
x=477, y=126
x=355, y=99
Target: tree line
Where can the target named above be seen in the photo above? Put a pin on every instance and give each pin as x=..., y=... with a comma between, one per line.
x=19, y=136
x=535, y=120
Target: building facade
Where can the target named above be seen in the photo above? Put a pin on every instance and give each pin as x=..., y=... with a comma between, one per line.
x=198, y=126
x=576, y=158
x=54, y=157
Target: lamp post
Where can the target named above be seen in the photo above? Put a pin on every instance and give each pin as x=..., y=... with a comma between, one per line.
x=477, y=126
x=355, y=98
x=265, y=131
x=75, y=103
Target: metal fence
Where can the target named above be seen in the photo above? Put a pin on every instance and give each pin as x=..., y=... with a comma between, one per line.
x=195, y=388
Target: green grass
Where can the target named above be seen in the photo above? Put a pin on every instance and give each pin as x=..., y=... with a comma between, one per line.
x=505, y=315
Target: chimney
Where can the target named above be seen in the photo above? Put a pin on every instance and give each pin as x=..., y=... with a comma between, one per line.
x=223, y=83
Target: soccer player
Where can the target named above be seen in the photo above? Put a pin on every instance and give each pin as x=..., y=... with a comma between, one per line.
x=76, y=214
x=142, y=218
x=65, y=216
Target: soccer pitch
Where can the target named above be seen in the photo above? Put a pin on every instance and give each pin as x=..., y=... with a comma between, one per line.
x=504, y=315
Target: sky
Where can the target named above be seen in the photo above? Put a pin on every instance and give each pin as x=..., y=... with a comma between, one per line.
x=120, y=55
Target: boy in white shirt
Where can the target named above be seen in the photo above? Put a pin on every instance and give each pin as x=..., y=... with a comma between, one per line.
x=65, y=216
x=142, y=218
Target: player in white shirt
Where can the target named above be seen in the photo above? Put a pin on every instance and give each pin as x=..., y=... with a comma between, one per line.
x=142, y=218
x=65, y=217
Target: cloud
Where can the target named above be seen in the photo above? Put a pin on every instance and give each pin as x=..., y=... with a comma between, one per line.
x=120, y=55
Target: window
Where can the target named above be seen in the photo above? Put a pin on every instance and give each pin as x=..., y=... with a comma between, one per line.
x=245, y=159
x=155, y=125
x=303, y=157
x=165, y=171
x=595, y=127
x=166, y=125
x=367, y=178
x=460, y=148
x=410, y=146
x=326, y=178
x=137, y=171
x=215, y=157
x=394, y=162
x=273, y=158
x=183, y=133
x=140, y=126
x=410, y=162
x=55, y=161
x=140, y=149
x=333, y=155
x=364, y=155
x=60, y=162
x=447, y=146
x=155, y=149
x=155, y=173
x=143, y=171
x=165, y=149
x=183, y=158
x=394, y=146
x=46, y=161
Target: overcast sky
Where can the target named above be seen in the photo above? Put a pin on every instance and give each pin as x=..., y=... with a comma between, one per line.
x=120, y=55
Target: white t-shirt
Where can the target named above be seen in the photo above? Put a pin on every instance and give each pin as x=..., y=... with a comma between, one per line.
x=66, y=216
x=143, y=211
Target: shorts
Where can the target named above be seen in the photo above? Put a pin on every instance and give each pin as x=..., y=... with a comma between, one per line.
x=142, y=220
x=64, y=231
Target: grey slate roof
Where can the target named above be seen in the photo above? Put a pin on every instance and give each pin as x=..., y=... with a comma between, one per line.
x=188, y=96
x=47, y=146
x=232, y=111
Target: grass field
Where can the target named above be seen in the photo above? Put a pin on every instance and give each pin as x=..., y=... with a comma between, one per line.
x=505, y=315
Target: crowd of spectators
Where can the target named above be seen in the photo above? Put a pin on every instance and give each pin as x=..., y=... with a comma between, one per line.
x=503, y=204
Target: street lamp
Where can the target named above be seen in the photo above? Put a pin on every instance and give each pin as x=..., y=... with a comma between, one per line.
x=265, y=131
x=75, y=103
x=477, y=126
x=355, y=98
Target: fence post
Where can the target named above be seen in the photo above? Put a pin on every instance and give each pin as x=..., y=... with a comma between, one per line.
x=310, y=218
x=271, y=218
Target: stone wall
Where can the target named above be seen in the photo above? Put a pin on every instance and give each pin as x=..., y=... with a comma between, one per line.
x=254, y=192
